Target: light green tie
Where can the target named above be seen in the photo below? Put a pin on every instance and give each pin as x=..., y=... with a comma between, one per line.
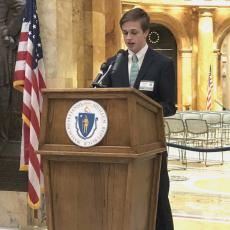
x=134, y=70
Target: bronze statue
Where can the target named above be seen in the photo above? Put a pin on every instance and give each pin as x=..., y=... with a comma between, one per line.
x=11, y=14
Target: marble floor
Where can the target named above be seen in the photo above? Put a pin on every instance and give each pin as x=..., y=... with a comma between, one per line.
x=200, y=195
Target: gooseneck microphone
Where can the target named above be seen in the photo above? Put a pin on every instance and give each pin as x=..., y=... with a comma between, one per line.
x=99, y=75
x=118, y=61
x=111, y=69
x=100, y=84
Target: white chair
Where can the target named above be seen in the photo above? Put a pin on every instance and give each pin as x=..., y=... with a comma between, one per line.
x=225, y=129
x=198, y=135
x=176, y=133
x=191, y=115
x=214, y=122
x=176, y=115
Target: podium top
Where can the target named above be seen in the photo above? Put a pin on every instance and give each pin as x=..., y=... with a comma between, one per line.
x=99, y=91
x=135, y=122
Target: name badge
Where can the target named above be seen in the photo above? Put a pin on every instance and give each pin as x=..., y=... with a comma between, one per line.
x=146, y=85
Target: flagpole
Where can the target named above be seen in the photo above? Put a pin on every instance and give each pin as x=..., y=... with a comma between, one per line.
x=210, y=87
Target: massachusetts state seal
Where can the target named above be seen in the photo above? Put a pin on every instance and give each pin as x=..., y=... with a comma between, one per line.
x=86, y=123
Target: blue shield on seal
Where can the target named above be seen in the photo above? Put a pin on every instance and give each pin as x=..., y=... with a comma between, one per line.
x=85, y=123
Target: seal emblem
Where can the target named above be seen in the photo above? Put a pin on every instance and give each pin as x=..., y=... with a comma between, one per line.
x=86, y=123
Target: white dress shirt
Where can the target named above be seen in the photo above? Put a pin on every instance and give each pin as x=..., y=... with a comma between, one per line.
x=140, y=55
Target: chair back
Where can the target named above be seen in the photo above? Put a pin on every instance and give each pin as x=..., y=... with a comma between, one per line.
x=226, y=119
x=175, y=125
x=196, y=126
x=186, y=116
x=166, y=127
x=212, y=118
x=176, y=115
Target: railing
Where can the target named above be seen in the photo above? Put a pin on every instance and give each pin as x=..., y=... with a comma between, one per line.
x=198, y=131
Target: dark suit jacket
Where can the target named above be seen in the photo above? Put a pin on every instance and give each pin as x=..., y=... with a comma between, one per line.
x=156, y=68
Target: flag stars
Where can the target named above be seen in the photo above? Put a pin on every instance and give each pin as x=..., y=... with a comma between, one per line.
x=34, y=27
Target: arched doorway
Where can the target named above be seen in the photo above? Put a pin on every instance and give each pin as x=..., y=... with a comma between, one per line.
x=161, y=39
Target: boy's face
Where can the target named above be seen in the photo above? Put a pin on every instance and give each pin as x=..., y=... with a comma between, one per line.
x=134, y=36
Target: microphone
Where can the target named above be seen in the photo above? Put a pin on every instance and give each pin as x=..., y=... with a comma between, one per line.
x=113, y=67
x=100, y=82
x=118, y=61
x=223, y=107
x=99, y=75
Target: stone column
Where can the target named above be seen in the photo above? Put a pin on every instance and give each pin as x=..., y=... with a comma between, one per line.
x=194, y=57
x=48, y=32
x=94, y=35
x=186, y=80
x=73, y=37
x=112, y=28
x=217, y=87
x=226, y=99
x=205, y=49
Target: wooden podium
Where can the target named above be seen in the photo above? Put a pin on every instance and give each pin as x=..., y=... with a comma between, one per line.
x=111, y=186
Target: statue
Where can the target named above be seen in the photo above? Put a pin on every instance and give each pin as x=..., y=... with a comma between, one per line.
x=11, y=14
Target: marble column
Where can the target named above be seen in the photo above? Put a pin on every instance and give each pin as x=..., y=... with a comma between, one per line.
x=217, y=87
x=73, y=37
x=226, y=99
x=205, y=50
x=186, y=80
x=194, y=58
x=94, y=35
x=47, y=12
x=112, y=28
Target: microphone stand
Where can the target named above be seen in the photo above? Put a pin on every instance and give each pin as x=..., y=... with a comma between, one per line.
x=99, y=83
x=217, y=102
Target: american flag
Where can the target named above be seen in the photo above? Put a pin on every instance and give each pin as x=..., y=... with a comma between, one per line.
x=210, y=86
x=29, y=78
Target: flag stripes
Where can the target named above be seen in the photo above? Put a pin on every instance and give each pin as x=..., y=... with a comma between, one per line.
x=210, y=86
x=29, y=78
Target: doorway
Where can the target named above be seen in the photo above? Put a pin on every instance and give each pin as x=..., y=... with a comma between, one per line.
x=161, y=39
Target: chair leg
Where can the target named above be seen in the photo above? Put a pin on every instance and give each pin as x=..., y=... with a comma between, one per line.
x=222, y=158
x=184, y=158
x=205, y=160
x=201, y=157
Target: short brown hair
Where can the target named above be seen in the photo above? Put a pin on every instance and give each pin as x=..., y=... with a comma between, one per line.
x=136, y=14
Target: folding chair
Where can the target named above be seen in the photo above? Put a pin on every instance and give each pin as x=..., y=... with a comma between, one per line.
x=176, y=130
x=214, y=123
x=198, y=135
x=225, y=129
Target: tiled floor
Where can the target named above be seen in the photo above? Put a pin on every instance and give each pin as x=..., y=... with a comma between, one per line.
x=187, y=224
x=199, y=195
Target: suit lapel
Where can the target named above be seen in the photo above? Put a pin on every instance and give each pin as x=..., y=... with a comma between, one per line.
x=148, y=60
x=123, y=74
